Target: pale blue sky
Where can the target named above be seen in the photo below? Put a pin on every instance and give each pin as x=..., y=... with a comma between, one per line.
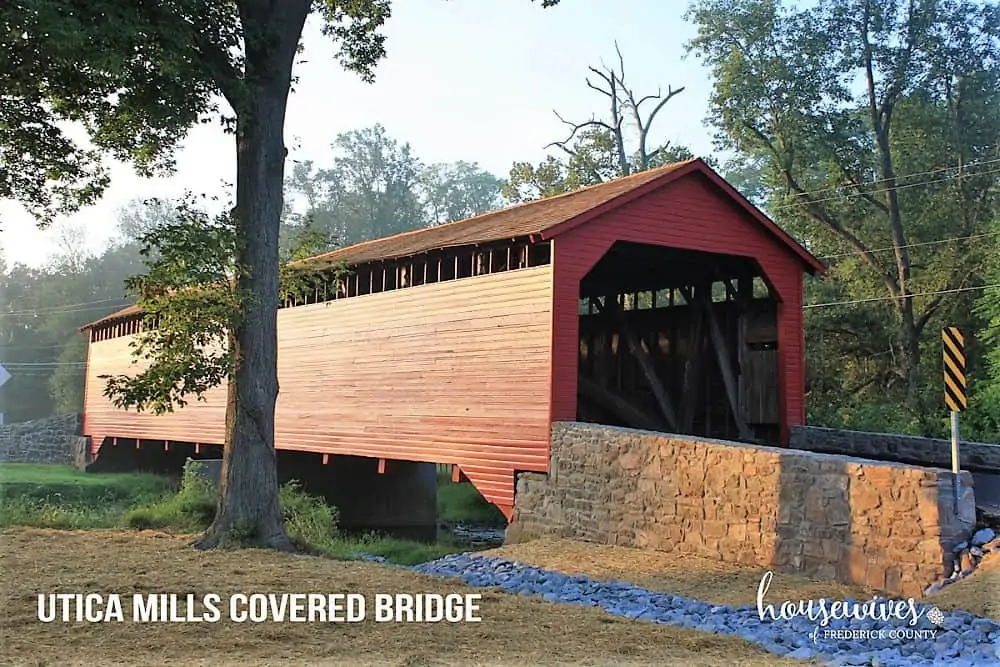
x=472, y=80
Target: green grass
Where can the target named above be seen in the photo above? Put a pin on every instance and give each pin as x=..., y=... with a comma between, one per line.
x=462, y=503
x=61, y=497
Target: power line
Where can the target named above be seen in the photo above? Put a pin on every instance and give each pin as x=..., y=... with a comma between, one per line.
x=70, y=308
x=835, y=188
x=912, y=245
x=44, y=364
x=82, y=303
x=874, y=192
x=908, y=296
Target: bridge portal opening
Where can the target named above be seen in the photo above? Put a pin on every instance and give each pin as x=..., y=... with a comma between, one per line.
x=679, y=341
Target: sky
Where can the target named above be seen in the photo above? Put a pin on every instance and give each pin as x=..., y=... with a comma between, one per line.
x=473, y=80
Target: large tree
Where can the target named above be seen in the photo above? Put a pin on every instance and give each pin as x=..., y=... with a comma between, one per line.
x=877, y=123
x=457, y=191
x=138, y=74
x=369, y=190
x=616, y=142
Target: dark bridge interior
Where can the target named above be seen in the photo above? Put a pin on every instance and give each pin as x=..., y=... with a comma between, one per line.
x=679, y=341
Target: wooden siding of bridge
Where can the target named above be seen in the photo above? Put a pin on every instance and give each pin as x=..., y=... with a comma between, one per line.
x=689, y=214
x=455, y=372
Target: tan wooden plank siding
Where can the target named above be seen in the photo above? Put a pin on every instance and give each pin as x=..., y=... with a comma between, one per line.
x=454, y=372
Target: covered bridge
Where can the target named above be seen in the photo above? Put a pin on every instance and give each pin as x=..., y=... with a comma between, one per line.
x=663, y=300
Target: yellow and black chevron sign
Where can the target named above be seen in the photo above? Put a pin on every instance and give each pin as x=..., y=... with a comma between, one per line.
x=954, y=369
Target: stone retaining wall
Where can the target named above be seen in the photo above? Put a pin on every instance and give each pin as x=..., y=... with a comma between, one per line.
x=885, y=525
x=974, y=456
x=51, y=440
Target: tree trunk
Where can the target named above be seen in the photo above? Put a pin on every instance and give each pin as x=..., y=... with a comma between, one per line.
x=249, y=510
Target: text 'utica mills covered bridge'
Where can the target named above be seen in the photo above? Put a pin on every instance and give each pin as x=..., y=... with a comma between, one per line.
x=663, y=300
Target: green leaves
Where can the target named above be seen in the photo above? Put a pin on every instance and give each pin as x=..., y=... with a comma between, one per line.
x=355, y=25
x=871, y=127
x=126, y=71
x=191, y=307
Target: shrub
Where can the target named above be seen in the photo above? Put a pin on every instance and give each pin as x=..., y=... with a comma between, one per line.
x=191, y=509
x=311, y=523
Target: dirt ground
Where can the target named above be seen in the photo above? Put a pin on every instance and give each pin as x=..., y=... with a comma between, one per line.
x=514, y=630
x=725, y=583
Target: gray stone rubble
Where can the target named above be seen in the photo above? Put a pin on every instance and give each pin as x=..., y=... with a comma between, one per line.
x=984, y=544
x=955, y=638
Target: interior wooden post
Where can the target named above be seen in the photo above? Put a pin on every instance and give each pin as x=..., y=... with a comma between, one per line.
x=725, y=366
x=692, y=369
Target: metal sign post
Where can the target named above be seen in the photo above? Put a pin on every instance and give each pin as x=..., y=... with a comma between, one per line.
x=955, y=396
x=4, y=376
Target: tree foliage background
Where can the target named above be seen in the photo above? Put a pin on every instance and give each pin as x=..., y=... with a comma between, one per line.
x=869, y=129
x=372, y=185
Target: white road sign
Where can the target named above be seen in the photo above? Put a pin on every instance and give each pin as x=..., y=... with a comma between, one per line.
x=4, y=375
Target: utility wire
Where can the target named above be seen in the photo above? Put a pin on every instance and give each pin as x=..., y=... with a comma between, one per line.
x=875, y=192
x=45, y=364
x=908, y=296
x=835, y=188
x=78, y=307
x=69, y=308
x=913, y=245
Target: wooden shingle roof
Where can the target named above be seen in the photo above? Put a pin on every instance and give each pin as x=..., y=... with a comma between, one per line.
x=542, y=218
x=518, y=221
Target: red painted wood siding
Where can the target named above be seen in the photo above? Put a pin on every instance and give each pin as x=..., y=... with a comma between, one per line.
x=454, y=372
x=691, y=214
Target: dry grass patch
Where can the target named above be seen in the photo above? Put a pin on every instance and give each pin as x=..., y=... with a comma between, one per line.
x=514, y=631
x=978, y=594
x=726, y=583
x=691, y=576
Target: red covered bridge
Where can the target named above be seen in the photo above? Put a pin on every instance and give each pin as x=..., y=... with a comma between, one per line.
x=662, y=300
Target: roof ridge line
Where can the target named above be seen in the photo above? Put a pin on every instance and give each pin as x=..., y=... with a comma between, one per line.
x=518, y=205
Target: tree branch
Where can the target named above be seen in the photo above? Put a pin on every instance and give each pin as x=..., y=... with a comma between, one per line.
x=820, y=215
x=576, y=128
x=855, y=182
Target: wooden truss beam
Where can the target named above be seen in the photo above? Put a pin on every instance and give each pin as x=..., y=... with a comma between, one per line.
x=692, y=369
x=611, y=306
x=722, y=356
x=628, y=413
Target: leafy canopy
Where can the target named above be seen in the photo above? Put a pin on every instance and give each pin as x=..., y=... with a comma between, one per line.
x=874, y=128
x=192, y=306
x=137, y=75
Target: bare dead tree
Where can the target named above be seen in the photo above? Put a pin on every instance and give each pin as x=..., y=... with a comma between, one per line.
x=624, y=107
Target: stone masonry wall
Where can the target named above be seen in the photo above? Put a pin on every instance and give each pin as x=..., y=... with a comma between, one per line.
x=974, y=456
x=885, y=525
x=51, y=440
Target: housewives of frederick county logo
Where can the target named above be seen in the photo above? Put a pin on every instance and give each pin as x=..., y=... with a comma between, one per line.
x=877, y=609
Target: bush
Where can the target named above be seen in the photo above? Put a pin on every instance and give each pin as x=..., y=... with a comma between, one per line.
x=311, y=523
x=191, y=509
x=56, y=497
